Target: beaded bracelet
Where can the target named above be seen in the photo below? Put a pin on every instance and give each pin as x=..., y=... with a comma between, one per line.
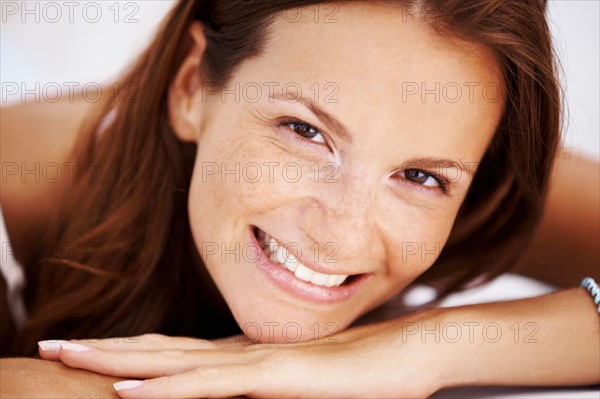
x=589, y=284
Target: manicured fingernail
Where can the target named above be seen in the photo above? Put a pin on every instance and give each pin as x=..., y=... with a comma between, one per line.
x=50, y=345
x=74, y=347
x=130, y=384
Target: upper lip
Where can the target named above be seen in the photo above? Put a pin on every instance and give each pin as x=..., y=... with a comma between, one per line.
x=306, y=262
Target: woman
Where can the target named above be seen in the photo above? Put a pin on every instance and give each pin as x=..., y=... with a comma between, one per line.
x=279, y=169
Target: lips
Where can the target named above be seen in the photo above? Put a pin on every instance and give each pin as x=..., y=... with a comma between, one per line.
x=308, y=281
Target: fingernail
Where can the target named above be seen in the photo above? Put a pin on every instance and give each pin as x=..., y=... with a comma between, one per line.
x=74, y=347
x=50, y=345
x=130, y=384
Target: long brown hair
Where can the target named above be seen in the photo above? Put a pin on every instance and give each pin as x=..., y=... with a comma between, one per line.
x=142, y=274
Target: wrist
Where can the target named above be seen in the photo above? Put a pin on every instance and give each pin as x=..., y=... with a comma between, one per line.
x=454, y=337
x=471, y=345
x=435, y=337
x=482, y=344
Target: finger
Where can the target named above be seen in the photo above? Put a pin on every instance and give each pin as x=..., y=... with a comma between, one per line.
x=144, y=364
x=159, y=341
x=220, y=381
x=147, y=342
x=49, y=349
x=279, y=372
x=140, y=342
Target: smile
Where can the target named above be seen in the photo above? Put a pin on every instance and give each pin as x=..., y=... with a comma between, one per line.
x=284, y=269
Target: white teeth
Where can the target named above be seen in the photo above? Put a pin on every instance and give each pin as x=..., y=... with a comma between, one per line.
x=319, y=279
x=291, y=259
x=278, y=254
x=271, y=244
x=280, y=257
x=303, y=272
x=331, y=281
x=341, y=279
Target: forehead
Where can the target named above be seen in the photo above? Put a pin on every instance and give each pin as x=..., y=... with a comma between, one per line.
x=392, y=73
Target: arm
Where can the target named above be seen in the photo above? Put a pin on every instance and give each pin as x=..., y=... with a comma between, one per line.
x=34, y=378
x=565, y=248
x=35, y=144
x=548, y=340
x=31, y=136
x=556, y=342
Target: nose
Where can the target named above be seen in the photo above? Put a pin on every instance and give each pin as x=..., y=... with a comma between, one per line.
x=341, y=221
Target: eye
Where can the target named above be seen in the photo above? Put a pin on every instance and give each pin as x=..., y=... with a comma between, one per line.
x=305, y=130
x=422, y=178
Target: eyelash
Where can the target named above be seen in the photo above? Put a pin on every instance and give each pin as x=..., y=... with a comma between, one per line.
x=443, y=184
x=287, y=124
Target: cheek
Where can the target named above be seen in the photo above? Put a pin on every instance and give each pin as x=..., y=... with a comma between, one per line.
x=236, y=177
x=232, y=182
x=417, y=241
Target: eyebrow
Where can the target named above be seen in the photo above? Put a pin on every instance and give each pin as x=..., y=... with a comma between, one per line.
x=325, y=117
x=342, y=132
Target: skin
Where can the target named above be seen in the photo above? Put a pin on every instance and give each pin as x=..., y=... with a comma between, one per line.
x=183, y=367
x=35, y=378
x=574, y=205
x=372, y=208
x=397, y=212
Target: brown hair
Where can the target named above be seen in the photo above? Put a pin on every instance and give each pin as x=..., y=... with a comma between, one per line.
x=142, y=275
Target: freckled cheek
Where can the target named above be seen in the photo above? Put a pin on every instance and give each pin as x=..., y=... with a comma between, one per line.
x=241, y=182
x=238, y=194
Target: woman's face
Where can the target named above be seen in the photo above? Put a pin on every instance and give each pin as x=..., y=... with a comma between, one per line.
x=351, y=145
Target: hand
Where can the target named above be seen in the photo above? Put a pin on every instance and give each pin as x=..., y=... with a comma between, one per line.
x=365, y=361
x=35, y=378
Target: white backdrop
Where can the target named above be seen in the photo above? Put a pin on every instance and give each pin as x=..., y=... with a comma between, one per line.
x=62, y=42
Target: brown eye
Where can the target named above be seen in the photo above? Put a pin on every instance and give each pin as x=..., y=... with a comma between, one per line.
x=306, y=131
x=420, y=177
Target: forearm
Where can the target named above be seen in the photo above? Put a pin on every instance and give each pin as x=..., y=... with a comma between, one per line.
x=29, y=378
x=548, y=340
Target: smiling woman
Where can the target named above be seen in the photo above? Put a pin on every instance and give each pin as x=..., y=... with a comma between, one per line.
x=281, y=177
x=378, y=199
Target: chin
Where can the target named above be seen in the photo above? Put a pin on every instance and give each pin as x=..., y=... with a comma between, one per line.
x=273, y=300
x=269, y=322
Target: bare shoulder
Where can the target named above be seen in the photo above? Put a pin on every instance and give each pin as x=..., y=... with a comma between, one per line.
x=565, y=248
x=38, y=132
x=36, y=140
